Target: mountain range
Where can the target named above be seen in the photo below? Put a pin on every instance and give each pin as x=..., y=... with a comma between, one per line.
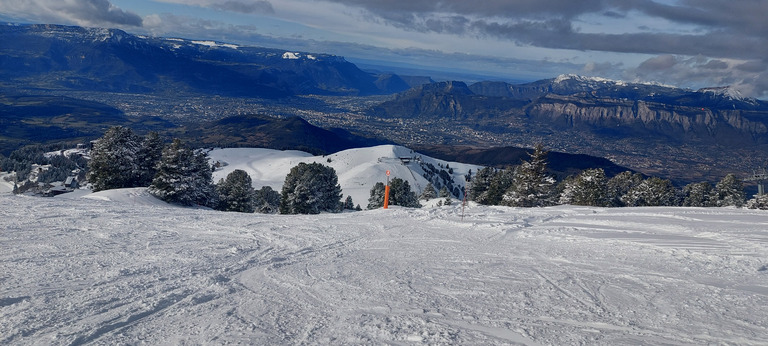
x=686, y=135
x=94, y=59
x=597, y=105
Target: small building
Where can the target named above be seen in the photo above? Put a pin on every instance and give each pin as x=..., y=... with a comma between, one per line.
x=71, y=183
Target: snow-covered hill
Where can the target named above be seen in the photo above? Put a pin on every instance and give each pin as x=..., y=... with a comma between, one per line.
x=117, y=268
x=358, y=169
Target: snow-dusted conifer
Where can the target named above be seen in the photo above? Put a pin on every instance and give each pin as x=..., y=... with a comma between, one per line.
x=444, y=192
x=400, y=194
x=758, y=202
x=531, y=186
x=653, y=191
x=565, y=189
x=428, y=193
x=267, y=200
x=149, y=155
x=183, y=176
x=235, y=193
x=620, y=185
x=698, y=195
x=376, y=200
x=310, y=189
x=588, y=188
x=730, y=192
x=480, y=184
x=114, y=160
x=500, y=183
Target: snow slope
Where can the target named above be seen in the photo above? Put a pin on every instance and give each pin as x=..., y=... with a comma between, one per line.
x=358, y=169
x=121, y=269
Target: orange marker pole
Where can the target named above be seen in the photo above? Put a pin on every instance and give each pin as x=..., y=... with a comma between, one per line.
x=386, y=196
x=386, y=193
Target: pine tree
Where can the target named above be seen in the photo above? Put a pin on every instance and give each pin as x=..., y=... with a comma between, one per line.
x=428, y=193
x=310, y=189
x=376, y=200
x=480, y=184
x=758, y=202
x=444, y=192
x=400, y=194
x=651, y=192
x=267, y=200
x=348, y=204
x=730, y=192
x=588, y=188
x=149, y=155
x=114, y=160
x=531, y=186
x=235, y=193
x=698, y=195
x=183, y=176
x=620, y=185
x=500, y=183
x=566, y=189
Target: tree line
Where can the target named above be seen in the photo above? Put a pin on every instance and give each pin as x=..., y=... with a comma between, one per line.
x=528, y=185
x=178, y=174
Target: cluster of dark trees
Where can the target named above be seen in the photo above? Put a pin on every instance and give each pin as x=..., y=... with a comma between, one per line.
x=178, y=174
x=174, y=173
x=528, y=185
x=441, y=178
x=430, y=193
x=122, y=159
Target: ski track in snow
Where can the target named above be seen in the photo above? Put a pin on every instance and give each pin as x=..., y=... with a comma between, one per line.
x=133, y=271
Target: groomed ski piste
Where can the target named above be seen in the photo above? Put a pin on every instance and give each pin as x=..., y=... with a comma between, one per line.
x=121, y=267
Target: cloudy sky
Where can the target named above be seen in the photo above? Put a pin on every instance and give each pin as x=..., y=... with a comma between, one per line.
x=687, y=43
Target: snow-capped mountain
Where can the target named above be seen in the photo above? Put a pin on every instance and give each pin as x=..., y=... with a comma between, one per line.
x=94, y=59
x=729, y=93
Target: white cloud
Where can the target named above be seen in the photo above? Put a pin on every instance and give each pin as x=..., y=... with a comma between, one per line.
x=80, y=12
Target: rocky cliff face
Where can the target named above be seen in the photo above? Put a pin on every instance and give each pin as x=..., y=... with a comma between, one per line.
x=638, y=117
x=598, y=106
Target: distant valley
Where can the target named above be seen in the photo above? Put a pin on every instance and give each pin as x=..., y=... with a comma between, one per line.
x=62, y=83
x=682, y=134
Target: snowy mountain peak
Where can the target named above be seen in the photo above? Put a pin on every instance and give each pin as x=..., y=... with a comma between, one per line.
x=216, y=44
x=727, y=92
x=601, y=82
x=297, y=56
x=584, y=79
